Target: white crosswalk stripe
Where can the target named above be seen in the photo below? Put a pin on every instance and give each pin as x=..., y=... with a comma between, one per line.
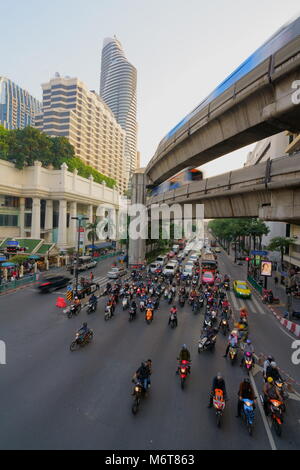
x=258, y=308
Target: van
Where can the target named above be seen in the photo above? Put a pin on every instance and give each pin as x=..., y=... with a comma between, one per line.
x=175, y=248
x=154, y=266
x=170, y=269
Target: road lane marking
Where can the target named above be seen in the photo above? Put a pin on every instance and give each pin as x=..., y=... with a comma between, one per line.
x=264, y=418
x=258, y=306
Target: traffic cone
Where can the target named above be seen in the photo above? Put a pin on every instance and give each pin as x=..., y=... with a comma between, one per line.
x=60, y=302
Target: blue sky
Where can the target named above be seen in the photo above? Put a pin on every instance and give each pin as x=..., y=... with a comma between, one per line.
x=181, y=49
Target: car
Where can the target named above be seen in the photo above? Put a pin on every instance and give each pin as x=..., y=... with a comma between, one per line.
x=189, y=263
x=217, y=249
x=207, y=278
x=175, y=248
x=162, y=259
x=170, y=268
x=188, y=270
x=171, y=254
x=51, y=283
x=115, y=273
x=241, y=289
x=153, y=267
x=87, y=289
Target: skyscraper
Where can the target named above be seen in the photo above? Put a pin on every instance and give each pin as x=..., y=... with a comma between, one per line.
x=118, y=85
x=80, y=115
x=17, y=107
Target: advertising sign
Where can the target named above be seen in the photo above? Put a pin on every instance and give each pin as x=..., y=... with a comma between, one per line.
x=266, y=268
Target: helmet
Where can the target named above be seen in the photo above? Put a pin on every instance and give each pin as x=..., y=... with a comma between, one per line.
x=234, y=332
x=248, y=341
x=76, y=298
x=85, y=324
x=273, y=364
x=219, y=375
x=270, y=380
x=184, y=346
x=270, y=358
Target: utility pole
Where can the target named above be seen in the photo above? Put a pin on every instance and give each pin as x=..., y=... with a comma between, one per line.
x=80, y=219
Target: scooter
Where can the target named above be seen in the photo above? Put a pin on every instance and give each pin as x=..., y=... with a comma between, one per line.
x=184, y=370
x=247, y=413
x=206, y=344
x=125, y=303
x=138, y=393
x=78, y=342
x=248, y=361
x=72, y=310
x=132, y=313
x=92, y=307
x=108, y=312
x=219, y=405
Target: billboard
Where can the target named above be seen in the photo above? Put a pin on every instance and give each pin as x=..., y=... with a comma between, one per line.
x=266, y=268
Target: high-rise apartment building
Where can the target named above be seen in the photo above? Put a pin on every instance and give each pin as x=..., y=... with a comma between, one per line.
x=72, y=111
x=17, y=107
x=118, y=88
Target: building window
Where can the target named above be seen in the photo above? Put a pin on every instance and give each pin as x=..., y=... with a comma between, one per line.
x=7, y=220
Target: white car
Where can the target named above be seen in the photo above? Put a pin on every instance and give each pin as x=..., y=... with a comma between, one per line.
x=154, y=266
x=194, y=258
x=188, y=270
x=115, y=273
x=161, y=260
x=170, y=268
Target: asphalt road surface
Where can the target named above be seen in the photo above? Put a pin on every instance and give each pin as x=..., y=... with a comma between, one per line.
x=52, y=398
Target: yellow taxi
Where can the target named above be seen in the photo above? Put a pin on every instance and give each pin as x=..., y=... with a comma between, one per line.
x=241, y=289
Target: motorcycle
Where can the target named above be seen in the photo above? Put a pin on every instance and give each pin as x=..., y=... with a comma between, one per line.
x=181, y=301
x=170, y=298
x=281, y=387
x=248, y=361
x=184, y=370
x=125, y=303
x=173, y=321
x=142, y=306
x=138, y=393
x=92, y=307
x=72, y=310
x=108, y=312
x=277, y=409
x=213, y=316
x=132, y=313
x=196, y=306
x=247, y=414
x=149, y=316
x=207, y=322
x=224, y=326
x=206, y=343
x=226, y=285
x=80, y=342
x=219, y=404
x=232, y=354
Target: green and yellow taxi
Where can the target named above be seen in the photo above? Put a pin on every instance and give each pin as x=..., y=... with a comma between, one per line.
x=241, y=289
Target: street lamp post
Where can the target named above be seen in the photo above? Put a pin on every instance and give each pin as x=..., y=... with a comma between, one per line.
x=80, y=219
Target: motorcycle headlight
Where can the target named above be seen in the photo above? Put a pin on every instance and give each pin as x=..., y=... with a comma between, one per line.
x=182, y=371
x=136, y=389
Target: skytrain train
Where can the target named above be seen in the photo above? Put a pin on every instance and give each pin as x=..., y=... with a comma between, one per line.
x=183, y=177
x=285, y=35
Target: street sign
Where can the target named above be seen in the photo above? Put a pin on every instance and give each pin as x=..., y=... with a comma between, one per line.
x=259, y=253
x=12, y=243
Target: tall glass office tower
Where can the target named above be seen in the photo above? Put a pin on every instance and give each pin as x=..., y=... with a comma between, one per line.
x=118, y=85
x=17, y=107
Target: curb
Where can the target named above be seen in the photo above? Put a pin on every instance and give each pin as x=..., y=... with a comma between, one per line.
x=287, y=324
x=10, y=291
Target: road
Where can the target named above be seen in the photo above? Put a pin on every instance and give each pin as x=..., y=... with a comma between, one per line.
x=54, y=399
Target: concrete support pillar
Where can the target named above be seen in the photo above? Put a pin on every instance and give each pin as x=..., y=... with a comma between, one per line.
x=22, y=217
x=49, y=219
x=62, y=224
x=91, y=214
x=73, y=225
x=36, y=218
x=137, y=248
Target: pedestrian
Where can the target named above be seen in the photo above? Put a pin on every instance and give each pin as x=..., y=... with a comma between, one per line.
x=91, y=276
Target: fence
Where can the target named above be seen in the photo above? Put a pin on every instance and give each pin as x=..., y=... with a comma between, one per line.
x=109, y=255
x=255, y=284
x=6, y=286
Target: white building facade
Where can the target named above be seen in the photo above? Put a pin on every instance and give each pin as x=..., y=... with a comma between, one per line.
x=39, y=203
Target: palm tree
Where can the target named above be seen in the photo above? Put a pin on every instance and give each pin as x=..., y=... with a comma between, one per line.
x=280, y=244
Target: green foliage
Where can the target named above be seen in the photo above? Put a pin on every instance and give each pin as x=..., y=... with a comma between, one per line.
x=18, y=259
x=24, y=146
x=280, y=244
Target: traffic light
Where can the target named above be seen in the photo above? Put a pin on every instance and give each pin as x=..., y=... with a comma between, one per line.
x=247, y=258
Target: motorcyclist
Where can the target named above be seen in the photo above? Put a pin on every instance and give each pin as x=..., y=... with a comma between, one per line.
x=83, y=331
x=218, y=382
x=232, y=341
x=247, y=347
x=173, y=315
x=142, y=375
x=266, y=364
x=184, y=355
x=272, y=371
x=270, y=393
x=93, y=300
x=243, y=314
x=245, y=391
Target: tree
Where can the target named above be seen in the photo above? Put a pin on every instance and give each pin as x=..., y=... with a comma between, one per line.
x=280, y=244
x=3, y=143
x=28, y=145
x=61, y=151
x=19, y=259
